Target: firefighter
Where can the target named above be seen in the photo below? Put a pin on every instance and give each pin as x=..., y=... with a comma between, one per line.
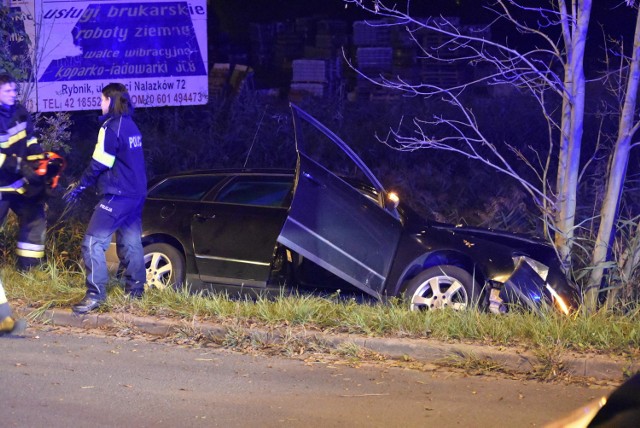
x=117, y=167
x=17, y=142
x=8, y=324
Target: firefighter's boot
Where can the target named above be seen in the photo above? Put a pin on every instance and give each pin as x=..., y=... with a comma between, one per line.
x=11, y=327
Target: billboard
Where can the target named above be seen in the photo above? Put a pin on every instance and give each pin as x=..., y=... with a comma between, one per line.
x=157, y=48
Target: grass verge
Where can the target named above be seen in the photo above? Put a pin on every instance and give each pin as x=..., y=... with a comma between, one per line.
x=603, y=332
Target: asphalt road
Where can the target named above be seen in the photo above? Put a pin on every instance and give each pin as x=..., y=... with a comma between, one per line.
x=61, y=377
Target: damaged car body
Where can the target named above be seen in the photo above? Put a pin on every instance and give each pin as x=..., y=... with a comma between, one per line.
x=260, y=230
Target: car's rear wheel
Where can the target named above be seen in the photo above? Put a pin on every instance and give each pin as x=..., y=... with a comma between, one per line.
x=164, y=265
x=441, y=287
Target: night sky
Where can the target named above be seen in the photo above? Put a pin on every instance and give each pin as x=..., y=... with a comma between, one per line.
x=233, y=17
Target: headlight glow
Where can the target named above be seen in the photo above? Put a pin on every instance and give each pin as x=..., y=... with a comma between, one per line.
x=558, y=300
x=392, y=200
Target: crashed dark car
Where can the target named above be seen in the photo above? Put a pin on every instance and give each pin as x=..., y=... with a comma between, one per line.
x=253, y=230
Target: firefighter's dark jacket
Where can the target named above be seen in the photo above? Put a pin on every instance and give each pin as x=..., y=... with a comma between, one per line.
x=117, y=165
x=17, y=141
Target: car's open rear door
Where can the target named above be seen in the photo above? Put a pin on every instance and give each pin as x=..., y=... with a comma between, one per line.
x=335, y=225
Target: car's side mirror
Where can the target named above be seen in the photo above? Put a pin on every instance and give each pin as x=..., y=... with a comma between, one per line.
x=391, y=201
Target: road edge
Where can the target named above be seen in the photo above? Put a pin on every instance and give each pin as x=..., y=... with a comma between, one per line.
x=598, y=367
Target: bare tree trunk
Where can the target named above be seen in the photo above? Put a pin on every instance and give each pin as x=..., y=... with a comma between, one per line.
x=615, y=179
x=575, y=34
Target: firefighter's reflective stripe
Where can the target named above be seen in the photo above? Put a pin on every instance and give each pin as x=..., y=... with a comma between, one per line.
x=26, y=249
x=16, y=129
x=3, y=158
x=100, y=155
x=38, y=156
x=13, y=135
x=31, y=141
x=14, y=139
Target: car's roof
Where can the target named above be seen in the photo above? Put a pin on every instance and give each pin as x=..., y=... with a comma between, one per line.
x=232, y=171
x=225, y=171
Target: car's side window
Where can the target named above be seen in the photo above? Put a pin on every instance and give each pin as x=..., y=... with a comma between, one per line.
x=190, y=188
x=271, y=192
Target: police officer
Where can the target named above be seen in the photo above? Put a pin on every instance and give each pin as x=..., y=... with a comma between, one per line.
x=17, y=141
x=117, y=167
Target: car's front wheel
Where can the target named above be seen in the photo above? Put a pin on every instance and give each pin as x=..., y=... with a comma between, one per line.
x=441, y=287
x=164, y=265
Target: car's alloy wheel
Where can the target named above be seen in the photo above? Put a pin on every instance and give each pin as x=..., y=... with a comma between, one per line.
x=441, y=287
x=164, y=266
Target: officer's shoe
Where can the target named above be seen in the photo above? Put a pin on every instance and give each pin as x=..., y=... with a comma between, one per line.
x=11, y=327
x=88, y=304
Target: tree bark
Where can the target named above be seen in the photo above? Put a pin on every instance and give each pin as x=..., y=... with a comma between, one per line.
x=572, y=126
x=615, y=178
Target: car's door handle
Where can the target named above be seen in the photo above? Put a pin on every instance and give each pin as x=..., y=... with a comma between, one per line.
x=204, y=216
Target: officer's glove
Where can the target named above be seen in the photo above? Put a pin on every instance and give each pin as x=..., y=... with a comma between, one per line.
x=73, y=194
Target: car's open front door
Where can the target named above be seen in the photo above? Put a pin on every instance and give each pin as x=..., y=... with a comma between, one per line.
x=335, y=225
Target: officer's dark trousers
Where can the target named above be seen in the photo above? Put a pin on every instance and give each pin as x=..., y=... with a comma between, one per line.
x=120, y=215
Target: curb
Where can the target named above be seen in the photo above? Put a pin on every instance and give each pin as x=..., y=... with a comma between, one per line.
x=595, y=366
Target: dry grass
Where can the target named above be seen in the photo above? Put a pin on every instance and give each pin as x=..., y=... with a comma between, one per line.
x=58, y=287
